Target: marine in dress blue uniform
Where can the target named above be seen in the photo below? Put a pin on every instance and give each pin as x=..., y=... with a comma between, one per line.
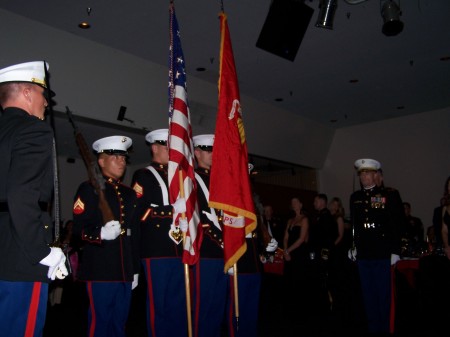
x=110, y=260
x=378, y=218
x=210, y=281
x=161, y=246
x=249, y=284
x=27, y=261
x=249, y=268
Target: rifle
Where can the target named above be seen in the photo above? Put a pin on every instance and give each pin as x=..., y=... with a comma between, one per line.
x=94, y=173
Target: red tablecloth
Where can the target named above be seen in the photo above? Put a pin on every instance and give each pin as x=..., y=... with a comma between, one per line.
x=407, y=267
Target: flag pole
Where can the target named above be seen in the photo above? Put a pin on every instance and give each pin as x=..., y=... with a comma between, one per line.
x=236, y=296
x=186, y=267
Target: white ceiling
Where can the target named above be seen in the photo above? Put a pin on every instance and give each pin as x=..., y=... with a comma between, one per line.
x=396, y=76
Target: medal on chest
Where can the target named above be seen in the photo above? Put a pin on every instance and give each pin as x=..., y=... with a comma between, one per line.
x=377, y=201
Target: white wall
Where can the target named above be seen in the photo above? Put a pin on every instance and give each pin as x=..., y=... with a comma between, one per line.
x=414, y=152
x=94, y=81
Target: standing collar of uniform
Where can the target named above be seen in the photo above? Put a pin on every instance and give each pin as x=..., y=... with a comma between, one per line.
x=159, y=166
x=370, y=188
x=203, y=170
x=112, y=180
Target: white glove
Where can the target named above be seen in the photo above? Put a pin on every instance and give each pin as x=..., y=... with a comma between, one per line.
x=272, y=246
x=134, y=284
x=213, y=218
x=179, y=206
x=231, y=271
x=61, y=271
x=174, y=228
x=394, y=259
x=183, y=224
x=53, y=261
x=352, y=254
x=110, y=230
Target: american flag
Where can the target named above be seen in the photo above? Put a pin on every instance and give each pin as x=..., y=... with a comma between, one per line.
x=181, y=149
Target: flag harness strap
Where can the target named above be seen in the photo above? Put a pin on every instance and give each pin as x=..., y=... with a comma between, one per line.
x=206, y=193
x=162, y=184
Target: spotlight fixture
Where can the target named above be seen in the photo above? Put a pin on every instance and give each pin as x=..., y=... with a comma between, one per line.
x=121, y=115
x=391, y=16
x=85, y=24
x=326, y=14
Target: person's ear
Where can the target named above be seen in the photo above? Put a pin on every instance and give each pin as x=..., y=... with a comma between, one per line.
x=101, y=162
x=196, y=151
x=154, y=148
x=27, y=94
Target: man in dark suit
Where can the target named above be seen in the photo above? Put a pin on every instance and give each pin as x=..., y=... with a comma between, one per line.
x=437, y=222
x=110, y=264
x=27, y=261
x=323, y=237
x=413, y=228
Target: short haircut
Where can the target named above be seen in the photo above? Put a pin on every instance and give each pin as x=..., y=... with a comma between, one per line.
x=9, y=90
x=322, y=196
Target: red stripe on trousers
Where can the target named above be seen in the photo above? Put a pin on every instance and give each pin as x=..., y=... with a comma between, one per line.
x=32, y=313
x=93, y=316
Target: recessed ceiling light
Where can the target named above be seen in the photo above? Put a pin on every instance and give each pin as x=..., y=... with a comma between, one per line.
x=445, y=58
x=400, y=107
x=201, y=69
x=84, y=25
x=355, y=80
x=333, y=120
x=279, y=99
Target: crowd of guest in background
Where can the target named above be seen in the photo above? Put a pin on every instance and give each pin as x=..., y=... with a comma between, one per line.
x=322, y=288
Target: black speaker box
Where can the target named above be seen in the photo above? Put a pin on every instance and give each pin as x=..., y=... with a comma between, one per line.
x=121, y=115
x=284, y=28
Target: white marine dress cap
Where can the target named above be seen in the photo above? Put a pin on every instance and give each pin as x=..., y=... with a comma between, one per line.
x=367, y=164
x=113, y=145
x=32, y=72
x=203, y=140
x=159, y=135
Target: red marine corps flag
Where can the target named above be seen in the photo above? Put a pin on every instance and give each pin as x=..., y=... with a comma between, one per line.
x=230, y=188
x=181, y=150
